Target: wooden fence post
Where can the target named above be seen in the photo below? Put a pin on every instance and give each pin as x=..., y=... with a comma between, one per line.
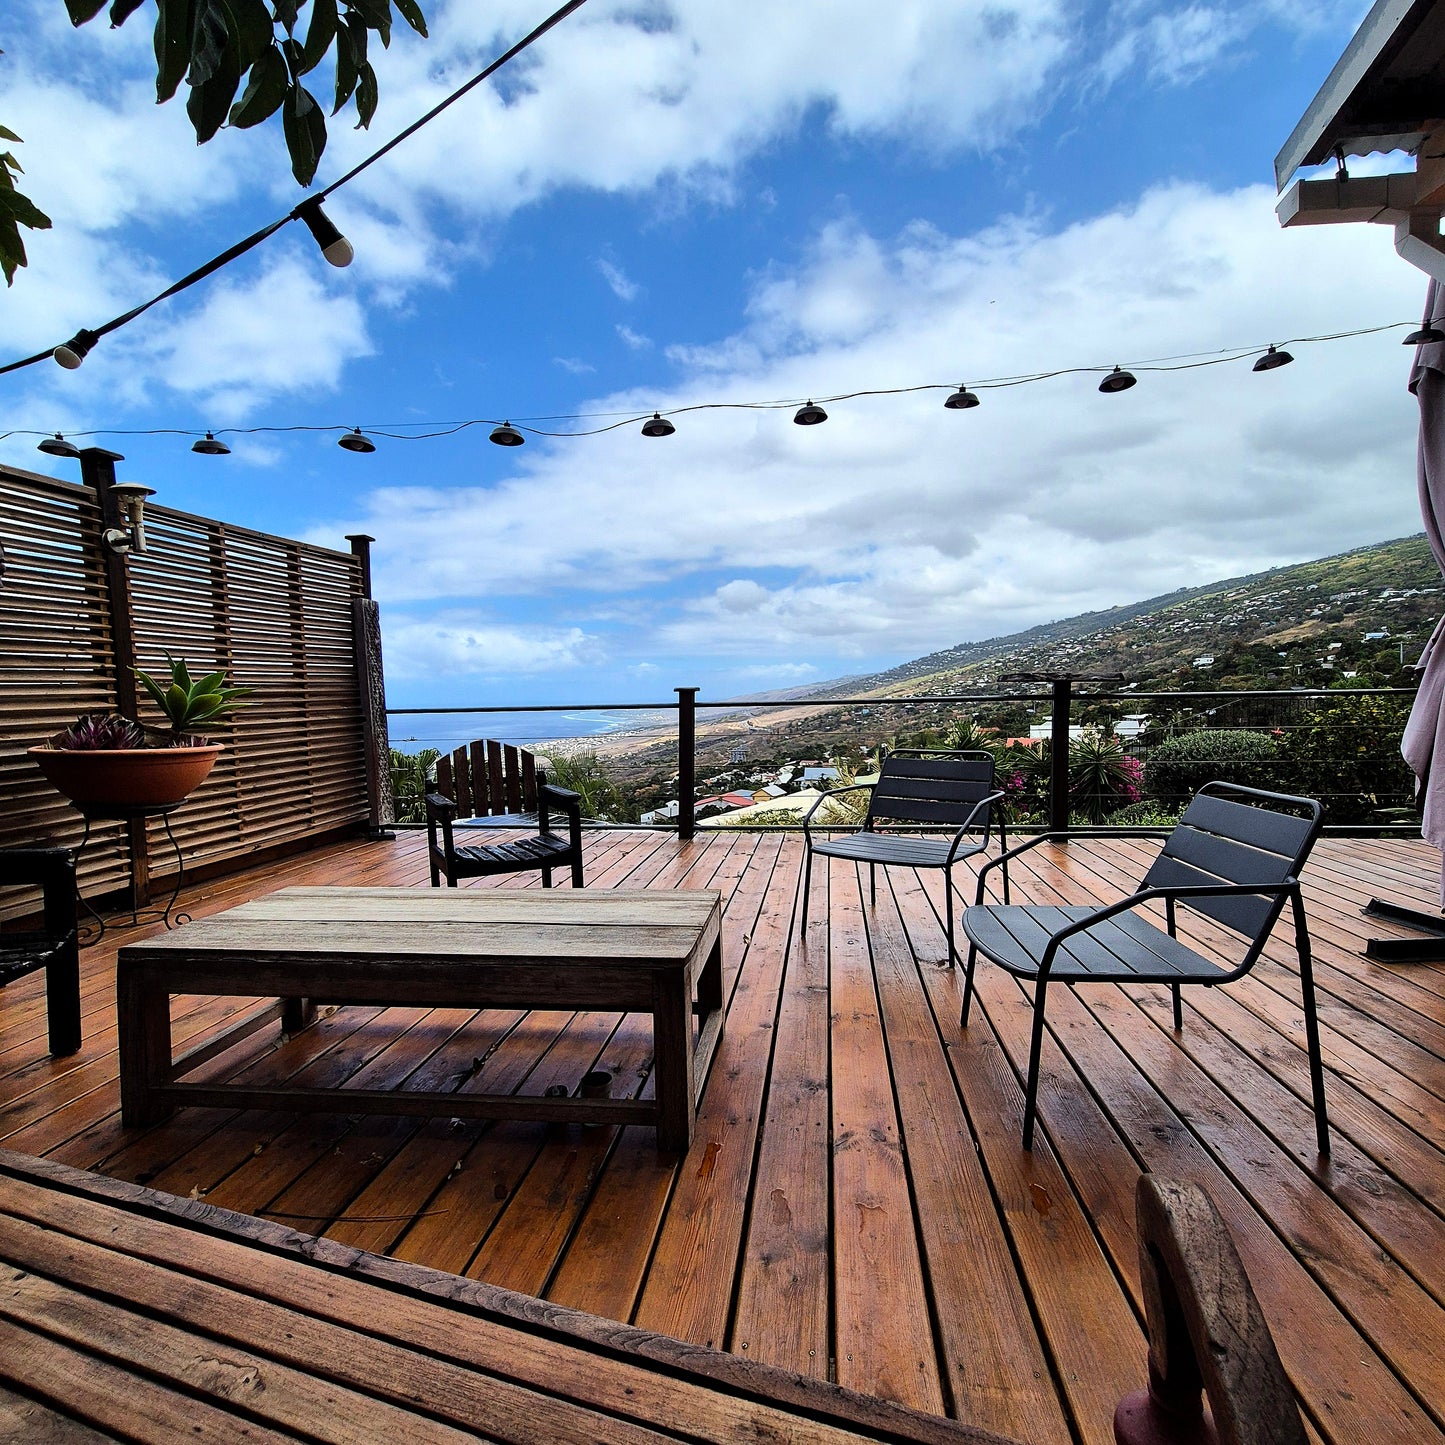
x=371, y=683
x=686, y=761
x=97, y=470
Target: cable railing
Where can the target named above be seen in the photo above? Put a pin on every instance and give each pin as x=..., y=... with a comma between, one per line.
x=1070, y=754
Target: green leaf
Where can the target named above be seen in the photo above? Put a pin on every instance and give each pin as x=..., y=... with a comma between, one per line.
x=82, y=10
x=122, y=10
x=7, y=134
x=366, y=97
x=348, y=67
x=173, y=45
x=208, y=105
x=319, y=34
x=211, y=682
x=154, y=688
x=251, y=30
x=286, y=13
x=16, y=209
x=305, y=128
x=411, y=13
x=12, y=251
x=210, y=42
x=175, y=702
x=179, y=671
x=375, y=14
x=264, y=92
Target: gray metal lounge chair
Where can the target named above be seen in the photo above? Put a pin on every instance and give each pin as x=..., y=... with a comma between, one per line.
x=917, y=788
x=1234, y=862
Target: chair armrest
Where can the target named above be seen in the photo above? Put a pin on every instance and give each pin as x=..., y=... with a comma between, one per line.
x=969, y=822
x=565, y=798
x=440, y=807
x=1150, y=895
x=833, y=793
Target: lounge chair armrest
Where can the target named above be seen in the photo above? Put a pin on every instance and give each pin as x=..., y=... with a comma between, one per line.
x=565, y=798
x=1150, y=895
x=833, y=793
x=970, y=822
x=439, y=806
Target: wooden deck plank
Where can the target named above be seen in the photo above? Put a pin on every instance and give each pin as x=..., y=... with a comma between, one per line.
x=1345, y=1258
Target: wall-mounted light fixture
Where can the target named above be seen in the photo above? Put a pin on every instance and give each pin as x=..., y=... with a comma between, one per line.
x=130, y=497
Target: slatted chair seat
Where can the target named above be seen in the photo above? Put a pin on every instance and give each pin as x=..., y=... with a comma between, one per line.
x=500, y=786
x=1235, y=858
x=950, y=792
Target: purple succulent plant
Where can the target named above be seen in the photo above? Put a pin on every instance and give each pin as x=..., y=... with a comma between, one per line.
x=95, y=731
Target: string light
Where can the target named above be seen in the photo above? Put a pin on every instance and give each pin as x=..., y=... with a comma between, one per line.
x=334, y=246
x=1272, y=359
x=71, y=353
x=654, y=424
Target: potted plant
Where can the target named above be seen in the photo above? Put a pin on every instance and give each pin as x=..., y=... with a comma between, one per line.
x=108, y=761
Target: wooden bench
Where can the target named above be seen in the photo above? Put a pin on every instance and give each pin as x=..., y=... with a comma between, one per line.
x=129, y=1313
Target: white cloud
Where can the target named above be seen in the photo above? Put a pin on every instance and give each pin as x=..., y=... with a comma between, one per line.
x=622, y=285
x=575, y=365
x=899, y=526
x=633, y=339
x=459, y=643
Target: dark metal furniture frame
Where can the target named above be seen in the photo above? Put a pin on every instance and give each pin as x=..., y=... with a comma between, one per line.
x=918, y=788
x=1234, y=862
x=55, y=946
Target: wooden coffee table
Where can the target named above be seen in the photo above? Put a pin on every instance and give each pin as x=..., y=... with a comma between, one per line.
x=618, y=952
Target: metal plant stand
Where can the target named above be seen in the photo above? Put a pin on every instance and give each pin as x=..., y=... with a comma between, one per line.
x=116, y=813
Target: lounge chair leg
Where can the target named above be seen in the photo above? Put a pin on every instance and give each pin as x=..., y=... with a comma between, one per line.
x=1312, y=1027
x=1035, y=1049
x=546, y=878
x=968, y=985
x=872, y=884
x=948, y=915
x=577, y=873
x=1005, y=881
x=1178, y=1009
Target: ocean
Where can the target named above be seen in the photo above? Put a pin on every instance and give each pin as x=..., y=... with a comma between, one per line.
x=410, y=733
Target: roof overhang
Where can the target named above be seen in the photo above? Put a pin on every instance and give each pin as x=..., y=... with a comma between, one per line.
x=1387, y=92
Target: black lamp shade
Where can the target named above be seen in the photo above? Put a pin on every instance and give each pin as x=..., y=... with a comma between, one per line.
x=1271, y=359
x=1118, y=380
x=961, y=400
x=659, y=426
x=1427, y=335
x=353, y=441
x=506, y=435
x=208, y=446
x=57, y=446
x=810, y=415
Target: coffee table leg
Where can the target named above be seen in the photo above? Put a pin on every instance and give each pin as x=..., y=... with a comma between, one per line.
x=297, y=1014
x=143, y=1013
x=673, y=1057
x=710, y=982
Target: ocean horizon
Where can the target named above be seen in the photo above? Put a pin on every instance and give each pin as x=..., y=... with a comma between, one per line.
x=446, y=731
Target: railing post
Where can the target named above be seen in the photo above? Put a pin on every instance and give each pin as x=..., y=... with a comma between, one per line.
x=1059, y=756
x=686, y=760
x=371, y=687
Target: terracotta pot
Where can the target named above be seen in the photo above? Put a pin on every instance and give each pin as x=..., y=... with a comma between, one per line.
x=127, y=777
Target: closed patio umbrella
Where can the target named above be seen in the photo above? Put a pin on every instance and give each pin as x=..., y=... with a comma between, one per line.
x=1424, y=741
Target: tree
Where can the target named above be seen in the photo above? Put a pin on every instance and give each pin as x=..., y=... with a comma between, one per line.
x=215, y=46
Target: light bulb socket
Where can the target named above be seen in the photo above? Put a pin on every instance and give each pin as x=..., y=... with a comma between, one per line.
x=334, y=246
x=208, y=446
x=810, y=415
x=354, y=441
x=659, y=426
x=1118, y=380
x=1272, y=359
x=57, y=446
x=1427, y=335
x=961, y=400
x=71, y=353
x=506, y=435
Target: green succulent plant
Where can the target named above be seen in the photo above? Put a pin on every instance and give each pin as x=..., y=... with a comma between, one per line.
x=187, y=703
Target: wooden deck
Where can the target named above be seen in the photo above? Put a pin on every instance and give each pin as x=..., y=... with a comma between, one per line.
x=856, y=1205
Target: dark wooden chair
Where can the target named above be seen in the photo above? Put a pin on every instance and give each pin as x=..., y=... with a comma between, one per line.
x=55, y=945
x=496, y=781
x=1234, y=862
x=917, y=788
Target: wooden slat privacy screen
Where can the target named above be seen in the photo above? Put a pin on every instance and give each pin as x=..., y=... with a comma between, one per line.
x=277, y=615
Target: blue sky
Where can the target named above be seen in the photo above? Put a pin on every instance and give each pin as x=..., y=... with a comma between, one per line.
x=670, y=204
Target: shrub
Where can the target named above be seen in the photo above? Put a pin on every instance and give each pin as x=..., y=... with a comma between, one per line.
x=410, y=779
x=1143, y=814
x=1179, y=767
x=1347, y=754
x=585, y=773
